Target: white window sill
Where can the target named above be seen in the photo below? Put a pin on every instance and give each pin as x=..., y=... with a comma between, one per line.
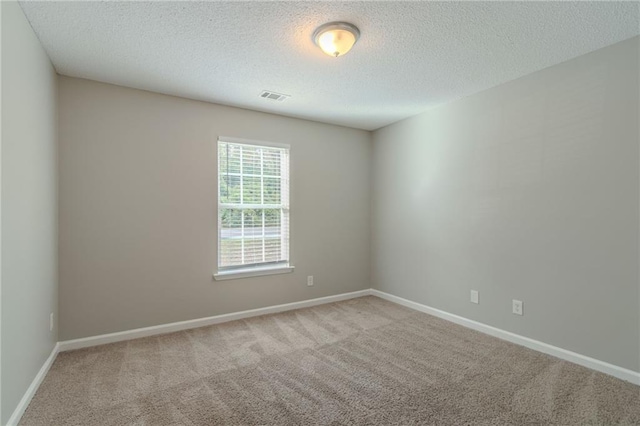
x=252, y=272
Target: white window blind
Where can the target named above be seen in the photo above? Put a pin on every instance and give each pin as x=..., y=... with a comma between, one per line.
x=253, y=206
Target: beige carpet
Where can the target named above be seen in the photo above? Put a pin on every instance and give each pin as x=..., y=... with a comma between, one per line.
x=362, y=361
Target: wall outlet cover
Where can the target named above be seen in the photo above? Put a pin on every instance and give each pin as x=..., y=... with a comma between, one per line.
x=310, y=280
x=517, y=307
x=474, y=297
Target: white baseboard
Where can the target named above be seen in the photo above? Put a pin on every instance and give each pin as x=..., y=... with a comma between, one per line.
x=86, y=342
x=33, y=387
x=576, y=358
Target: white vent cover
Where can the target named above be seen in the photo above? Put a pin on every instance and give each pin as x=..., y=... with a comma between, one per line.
x=274, y=96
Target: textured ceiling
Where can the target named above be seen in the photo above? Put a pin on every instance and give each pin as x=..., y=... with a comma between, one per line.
x=411, y=55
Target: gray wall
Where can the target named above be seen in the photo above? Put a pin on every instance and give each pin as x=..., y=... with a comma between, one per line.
x=525, y=191
x=138, y=209
x=29, y=206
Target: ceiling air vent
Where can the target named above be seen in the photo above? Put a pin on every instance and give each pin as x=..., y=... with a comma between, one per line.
x=273, y=96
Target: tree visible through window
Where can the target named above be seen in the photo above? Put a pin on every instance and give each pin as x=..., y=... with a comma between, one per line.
x=253, y=205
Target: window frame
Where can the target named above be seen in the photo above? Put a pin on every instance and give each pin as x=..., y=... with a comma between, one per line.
x=263, y=269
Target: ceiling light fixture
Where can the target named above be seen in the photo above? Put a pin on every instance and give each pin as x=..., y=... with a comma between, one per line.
x=336, y=38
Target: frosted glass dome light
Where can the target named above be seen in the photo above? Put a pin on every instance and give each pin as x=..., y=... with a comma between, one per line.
x=336, y=38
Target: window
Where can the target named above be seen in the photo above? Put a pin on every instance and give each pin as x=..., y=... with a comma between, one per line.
x=253, y=208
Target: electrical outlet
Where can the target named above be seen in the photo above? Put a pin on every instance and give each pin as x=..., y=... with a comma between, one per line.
x=51, y=321
x=475, y=297
x=517, y=307
x=310, y=280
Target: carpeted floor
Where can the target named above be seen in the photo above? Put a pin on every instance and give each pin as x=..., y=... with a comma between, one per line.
x=362, y=361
